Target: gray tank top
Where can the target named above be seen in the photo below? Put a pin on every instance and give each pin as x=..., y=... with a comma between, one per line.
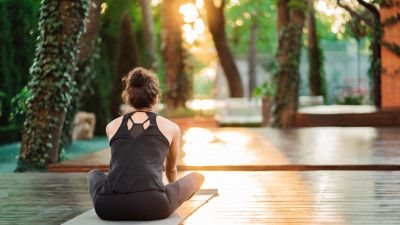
x=137, y=157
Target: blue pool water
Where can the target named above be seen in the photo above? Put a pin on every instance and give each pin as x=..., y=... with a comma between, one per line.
x=9, y=152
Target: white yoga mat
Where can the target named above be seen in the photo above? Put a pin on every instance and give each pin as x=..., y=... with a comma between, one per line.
x=184, y=211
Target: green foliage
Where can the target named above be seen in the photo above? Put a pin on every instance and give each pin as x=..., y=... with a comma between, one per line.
x=127, y=59
x=351, y=100
x=324, y=84
x=265, y=89
x=298, y=5
x=51, y=85
x=287, y=76
x=106, y=63
x=2, y=96
x=6, y=51
x=101, y=85
x=18, y=105
x=264, y=14
x=18, y=23
x=179, y=113
x=358, y=27
x=84, y=77
x=9, y=133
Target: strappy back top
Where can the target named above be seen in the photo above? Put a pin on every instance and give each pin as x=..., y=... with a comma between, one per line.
x=137, y=157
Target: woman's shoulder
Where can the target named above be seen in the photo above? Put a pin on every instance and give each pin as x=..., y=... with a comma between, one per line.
x=162, y=121
x=115, y=121
x=114, y=124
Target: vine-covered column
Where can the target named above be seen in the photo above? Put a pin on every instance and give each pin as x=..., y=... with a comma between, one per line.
x=61, y=26
x=85, y=73
x=291, y=18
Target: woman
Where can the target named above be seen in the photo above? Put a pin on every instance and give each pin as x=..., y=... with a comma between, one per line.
x=140, y=142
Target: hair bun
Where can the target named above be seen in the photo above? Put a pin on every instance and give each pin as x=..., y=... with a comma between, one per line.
x=138, y=79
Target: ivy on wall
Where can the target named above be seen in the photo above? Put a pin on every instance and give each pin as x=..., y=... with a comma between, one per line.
x=51, y=85
x=390, y=21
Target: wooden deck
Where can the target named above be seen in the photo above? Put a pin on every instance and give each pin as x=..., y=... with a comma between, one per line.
x=346, y=116
x=255, y=149
x=338, y=195
x=323, y=197
x=269, y=197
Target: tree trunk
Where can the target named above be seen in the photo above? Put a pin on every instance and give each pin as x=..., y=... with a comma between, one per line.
x=376, y=50
x=173, y=57
x=148, y=32
x=61, y=26
x=290, y=28
x=376, y=28
x=376, y=68
x=216, y=24
x=252, y=57
x=314, y=56
x=126, y=61
x=85, y=74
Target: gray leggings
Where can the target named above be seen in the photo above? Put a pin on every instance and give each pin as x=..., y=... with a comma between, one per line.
x=145, y=205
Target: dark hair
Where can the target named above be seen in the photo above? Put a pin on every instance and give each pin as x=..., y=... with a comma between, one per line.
x=141, y=88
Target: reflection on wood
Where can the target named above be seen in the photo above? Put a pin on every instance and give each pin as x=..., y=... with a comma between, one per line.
x=328, y=148
x=334, y=197
x=269, y=197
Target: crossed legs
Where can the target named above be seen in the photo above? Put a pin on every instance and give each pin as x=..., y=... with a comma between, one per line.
x=177, y=192
x=183, y=189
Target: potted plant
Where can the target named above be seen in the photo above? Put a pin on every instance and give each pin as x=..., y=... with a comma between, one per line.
x=265, y=91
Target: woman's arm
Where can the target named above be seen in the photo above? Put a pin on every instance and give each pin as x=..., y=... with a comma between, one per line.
x=172, y=157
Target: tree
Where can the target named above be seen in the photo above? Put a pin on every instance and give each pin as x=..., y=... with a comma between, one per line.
x=252, y=57
x=176, y=81
x=291, y=18
x=147, y=19
x=127, y=60
x=315, y=57
x=373, y=21
x=61, y=26
x=84, y=75
x=106, y=63
x=216, y=24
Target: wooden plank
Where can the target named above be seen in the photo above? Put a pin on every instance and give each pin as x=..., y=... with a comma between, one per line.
x=373, y=119
x=264, y=197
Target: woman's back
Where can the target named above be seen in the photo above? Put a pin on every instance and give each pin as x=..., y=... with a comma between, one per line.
x=138, y=151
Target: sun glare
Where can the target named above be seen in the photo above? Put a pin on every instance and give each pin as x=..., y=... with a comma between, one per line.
x=201, y=104
x=155, y=2
x=103, y=7
x=193, y=27
x=199, y=4
x=206, y=147
x=338, y=16
x=239, y=22
x=189, y=12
